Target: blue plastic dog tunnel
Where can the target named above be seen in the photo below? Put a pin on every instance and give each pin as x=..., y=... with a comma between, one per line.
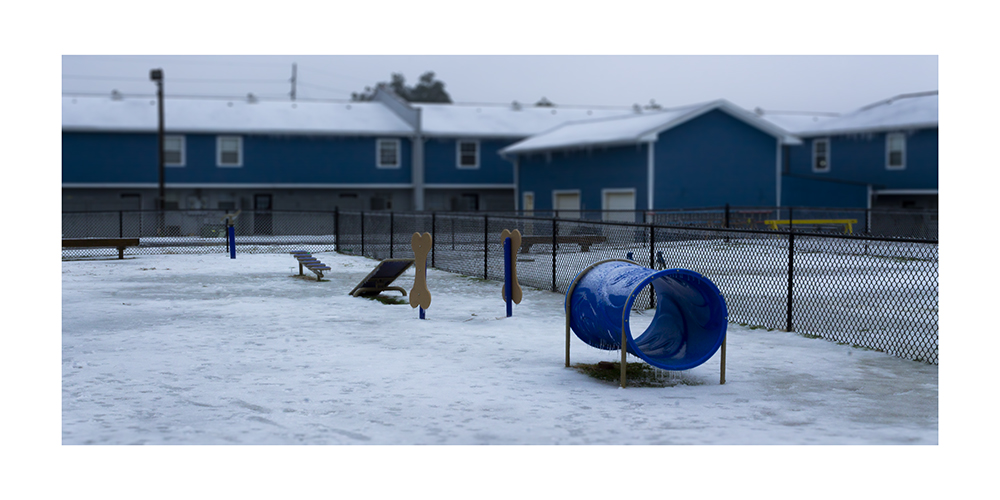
x=689, y=325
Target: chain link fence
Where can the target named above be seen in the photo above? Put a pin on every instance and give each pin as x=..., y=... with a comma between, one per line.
x=879, y=293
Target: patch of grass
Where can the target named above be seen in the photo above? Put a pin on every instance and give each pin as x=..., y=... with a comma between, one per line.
x=811, y=336
x=386, y=299
x=637, y=374
x=756, y=327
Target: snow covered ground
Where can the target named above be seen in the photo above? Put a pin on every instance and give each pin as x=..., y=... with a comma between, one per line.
x=203, y=349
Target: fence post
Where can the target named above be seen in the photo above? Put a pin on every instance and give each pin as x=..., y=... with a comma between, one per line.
x=336, y=229
x=791, y=268
x=555, y=233
x=362, y=232
x=392, y=230
x=486, y=247
x=725, y=223
x=433, y=236
x=120, y=224
x=652, y=263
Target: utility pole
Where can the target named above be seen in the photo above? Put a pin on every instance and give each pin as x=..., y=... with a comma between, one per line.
x=293, y=80
x=156, y=75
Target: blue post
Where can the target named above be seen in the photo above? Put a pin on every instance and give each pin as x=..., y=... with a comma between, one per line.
x=421, y=308
x=232, y=242
x=507, y=279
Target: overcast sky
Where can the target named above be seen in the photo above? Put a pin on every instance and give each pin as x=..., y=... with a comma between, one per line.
x=800, y=83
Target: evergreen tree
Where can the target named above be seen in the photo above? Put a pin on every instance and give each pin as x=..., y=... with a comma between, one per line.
x=427, y=90
x=544, y=103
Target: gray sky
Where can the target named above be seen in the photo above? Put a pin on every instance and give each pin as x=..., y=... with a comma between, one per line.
x=797, y=83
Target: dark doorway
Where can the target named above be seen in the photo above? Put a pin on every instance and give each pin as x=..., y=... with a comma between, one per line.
x=262, y=214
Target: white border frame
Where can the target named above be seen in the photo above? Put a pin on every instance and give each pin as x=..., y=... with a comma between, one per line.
x=458, y=154
x=218, y=151
x=888, y=137
x=829, y=162
x=183, y=162
x=378, y=154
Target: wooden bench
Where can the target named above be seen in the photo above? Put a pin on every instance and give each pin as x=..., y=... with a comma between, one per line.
x=847, y=223
x=120, y=243
x=309, y=262
x=584, y=240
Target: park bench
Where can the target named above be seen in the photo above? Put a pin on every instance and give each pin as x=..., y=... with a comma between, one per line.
x=309, y=262
x=584, y=240
x=848, y=224
x=120, y=243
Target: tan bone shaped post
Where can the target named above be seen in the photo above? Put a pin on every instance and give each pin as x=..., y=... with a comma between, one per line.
x=515, y=244
x=419, y=294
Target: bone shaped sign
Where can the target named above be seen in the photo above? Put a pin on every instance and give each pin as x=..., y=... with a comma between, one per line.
x=419, y=294
x=515, y=244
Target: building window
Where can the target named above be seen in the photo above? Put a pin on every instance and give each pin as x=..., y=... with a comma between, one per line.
x=173, y=150
x=468, y=154
x=821, y=155
x=895, y=149
x=230, y=151
x=387, y=153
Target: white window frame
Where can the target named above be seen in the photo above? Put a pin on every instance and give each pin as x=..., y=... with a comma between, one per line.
x=183, y=151
x=888, y=151
x=378, y=153
x=824, y=140
x=239, y=151
x=458, y=154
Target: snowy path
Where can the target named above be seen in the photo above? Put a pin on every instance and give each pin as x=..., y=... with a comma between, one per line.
x=202, y=349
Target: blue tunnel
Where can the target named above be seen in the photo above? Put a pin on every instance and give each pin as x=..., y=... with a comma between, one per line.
x=687, y=329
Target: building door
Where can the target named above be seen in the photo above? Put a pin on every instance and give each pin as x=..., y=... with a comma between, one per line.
x=567, y=204
x=262, y=214
x=528, y=210
x=619, y=205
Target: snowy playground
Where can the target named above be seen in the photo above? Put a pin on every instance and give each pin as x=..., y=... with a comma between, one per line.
x=204, y=349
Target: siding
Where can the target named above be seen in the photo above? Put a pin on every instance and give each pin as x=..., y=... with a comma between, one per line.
x=713, y=160
x=590, y=171
x=112, y=158
x=861, y=158
x=441, y=163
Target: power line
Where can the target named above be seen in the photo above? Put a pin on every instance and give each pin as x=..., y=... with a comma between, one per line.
x=171, y=80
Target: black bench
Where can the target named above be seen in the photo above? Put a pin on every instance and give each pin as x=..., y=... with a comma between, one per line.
x=309, y=262
x=584, y=240
x=120, y=243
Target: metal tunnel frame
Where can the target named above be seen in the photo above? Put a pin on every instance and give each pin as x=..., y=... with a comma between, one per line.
x=625, y=314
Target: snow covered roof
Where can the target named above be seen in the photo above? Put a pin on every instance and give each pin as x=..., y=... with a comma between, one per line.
x=906, y=111
x=491, y=120
x=795, y=121
x=133, y=114
x=634, y=128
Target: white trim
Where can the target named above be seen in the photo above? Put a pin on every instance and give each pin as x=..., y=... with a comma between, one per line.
x=218, y=151
x=193, y=185
x=517, y=188
x=879, y=192
x=650, y=178
x=470, y=186
x=458, y=154
x=825, y=140
x=888, y=152
x=183, y=140
x=777, y=175
x=378, y=154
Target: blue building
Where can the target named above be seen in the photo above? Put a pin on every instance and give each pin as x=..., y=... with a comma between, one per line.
x=694, y=156
x=388, y=154
x=295, y=155
x=884, y=155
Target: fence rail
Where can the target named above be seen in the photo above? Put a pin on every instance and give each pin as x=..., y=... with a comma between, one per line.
x=876, y=292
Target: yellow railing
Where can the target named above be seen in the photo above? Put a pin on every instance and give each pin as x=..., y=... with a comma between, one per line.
x=847, y=223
